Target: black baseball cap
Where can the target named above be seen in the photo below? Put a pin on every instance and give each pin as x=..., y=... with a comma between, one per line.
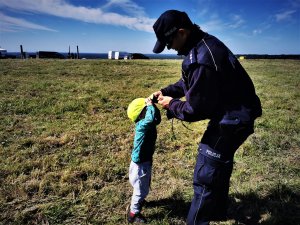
x=167, y=25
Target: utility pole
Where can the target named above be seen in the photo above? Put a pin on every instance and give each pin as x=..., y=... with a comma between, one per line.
x=22, y=52
x=69, y=54
x=77, y=52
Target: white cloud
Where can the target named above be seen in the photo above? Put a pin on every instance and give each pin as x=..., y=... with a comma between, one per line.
x=237, y=21
x=11, y=24
x=202, y=12
x=261, y=28
x=284, y=16
x=126, y=5
x=61, y=8
x=216, y=24
x=257, y=31
x=212, y=25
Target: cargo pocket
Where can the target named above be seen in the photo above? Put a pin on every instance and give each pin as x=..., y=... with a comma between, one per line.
x=204, y=174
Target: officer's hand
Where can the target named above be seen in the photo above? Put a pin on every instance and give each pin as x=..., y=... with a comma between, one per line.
x=164, y=101
x=157, y=94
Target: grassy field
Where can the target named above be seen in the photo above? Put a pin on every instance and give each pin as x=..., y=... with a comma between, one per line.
x=65, y=144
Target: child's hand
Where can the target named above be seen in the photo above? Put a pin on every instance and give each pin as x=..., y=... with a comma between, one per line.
x=153, y=98
x=148, y=101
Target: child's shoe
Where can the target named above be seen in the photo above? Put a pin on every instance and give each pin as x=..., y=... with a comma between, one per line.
x=136, y=218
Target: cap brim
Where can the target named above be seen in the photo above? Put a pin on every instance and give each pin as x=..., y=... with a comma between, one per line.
x=159, y=47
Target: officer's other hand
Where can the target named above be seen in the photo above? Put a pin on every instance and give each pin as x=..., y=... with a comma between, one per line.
x=164, y=101
x=157, y=94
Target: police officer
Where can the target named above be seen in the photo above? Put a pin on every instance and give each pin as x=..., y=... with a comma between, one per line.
x=216, y=87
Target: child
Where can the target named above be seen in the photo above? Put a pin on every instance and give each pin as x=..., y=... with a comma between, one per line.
x=146, y=116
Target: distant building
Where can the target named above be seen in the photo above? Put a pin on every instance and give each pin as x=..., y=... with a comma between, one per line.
x=111, y=54
x=121, y=55
x=117, y=55
x=125, y=55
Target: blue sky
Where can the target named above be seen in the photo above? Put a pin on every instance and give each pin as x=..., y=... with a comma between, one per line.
x=97, y=26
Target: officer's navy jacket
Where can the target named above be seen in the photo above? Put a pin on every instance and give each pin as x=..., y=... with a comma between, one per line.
x=215, y=85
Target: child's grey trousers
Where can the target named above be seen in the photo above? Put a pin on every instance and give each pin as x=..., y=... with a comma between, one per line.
x=139, y=178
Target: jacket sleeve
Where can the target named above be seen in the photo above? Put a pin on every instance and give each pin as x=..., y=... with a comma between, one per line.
x=157, y=118
x=201, y=98
x=174, y=90
x=149, y=119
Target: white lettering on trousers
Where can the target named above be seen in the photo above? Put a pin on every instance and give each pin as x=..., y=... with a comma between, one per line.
x=213, y=154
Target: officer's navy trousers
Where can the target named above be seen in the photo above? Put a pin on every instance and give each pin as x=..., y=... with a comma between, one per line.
x=212, y=173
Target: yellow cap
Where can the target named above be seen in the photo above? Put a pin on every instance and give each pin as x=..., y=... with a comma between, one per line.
x=135, y=108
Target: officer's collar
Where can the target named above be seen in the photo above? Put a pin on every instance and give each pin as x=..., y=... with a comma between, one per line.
x=195, y=36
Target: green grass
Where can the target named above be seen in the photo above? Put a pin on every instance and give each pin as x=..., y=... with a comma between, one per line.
x=65, y=144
